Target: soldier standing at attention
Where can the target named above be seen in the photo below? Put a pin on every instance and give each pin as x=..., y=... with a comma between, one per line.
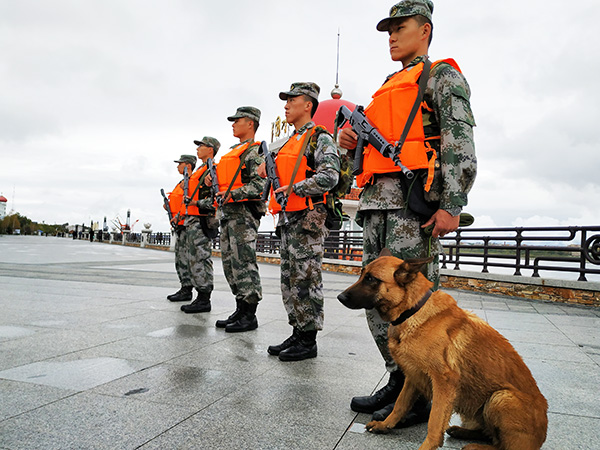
x=177, y=205
x=240, y=189
x=201, y=228
x=308, y=165
x=440, y=151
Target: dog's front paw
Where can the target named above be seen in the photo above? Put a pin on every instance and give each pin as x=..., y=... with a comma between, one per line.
x=376, y=426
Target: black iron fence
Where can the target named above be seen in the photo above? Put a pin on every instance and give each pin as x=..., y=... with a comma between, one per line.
x=528, y=251
x=535, y=249
x=549, y=249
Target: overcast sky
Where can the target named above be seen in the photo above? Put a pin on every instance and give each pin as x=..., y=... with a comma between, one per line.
x=98, y=98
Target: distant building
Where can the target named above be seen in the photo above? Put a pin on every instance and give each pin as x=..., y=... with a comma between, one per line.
x=3, y=203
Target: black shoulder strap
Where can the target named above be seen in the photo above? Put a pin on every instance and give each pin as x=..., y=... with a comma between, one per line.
x=200, y=181
x=416, y=105
x=242, y=159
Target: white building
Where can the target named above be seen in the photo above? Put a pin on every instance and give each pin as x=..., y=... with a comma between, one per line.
x=3, y=203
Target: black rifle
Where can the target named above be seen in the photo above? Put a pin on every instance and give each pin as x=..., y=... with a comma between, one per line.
x=167, y=207
x=273, y=180
x=368, y=134
x=214, y=181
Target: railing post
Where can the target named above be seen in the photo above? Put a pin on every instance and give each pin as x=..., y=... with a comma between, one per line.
x=458, y=239
x=519, y=241
x=582, y=255
x=486, y=242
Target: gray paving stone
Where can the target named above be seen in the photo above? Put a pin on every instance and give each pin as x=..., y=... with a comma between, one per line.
x=92, y=355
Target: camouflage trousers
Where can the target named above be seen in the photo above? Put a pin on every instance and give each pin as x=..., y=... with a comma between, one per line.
x=181, y=266
x=193, y=251
x=238, y=253
x=400, y=232
x=301, y=278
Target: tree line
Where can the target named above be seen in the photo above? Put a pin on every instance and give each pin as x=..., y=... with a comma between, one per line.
x=25, y=225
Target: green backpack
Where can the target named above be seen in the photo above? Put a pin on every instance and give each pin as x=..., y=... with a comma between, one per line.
x=333, y=199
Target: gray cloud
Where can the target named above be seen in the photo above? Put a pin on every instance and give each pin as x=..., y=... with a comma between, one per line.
x=98, y=98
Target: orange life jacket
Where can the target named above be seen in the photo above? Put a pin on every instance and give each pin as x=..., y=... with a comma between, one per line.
x=389, y=111
x=176, y=203
x=192, y=185
x=286, y=161
x=228, y=165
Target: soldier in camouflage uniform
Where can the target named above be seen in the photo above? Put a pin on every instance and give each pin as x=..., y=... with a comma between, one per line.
x=386, y=220
x=201, y=228
x=302, y=226
x=176, y=203
x=241, y=189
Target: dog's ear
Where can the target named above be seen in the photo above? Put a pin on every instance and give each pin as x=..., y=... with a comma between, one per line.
x=385, y=252
x=408, y=270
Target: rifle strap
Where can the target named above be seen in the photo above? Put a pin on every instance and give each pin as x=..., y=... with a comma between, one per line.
x=416, y=105
x=297, y=166
x=242, y=160
x=200, y=181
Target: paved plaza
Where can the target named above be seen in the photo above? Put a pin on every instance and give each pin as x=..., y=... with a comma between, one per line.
x=93, y=356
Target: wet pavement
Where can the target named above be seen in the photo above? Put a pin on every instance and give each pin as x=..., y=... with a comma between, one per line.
x=93, y=356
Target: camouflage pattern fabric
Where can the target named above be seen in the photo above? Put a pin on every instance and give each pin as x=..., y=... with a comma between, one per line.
x=193, y=249
x=447, y=94
x=323, y=157
x=252, y=189
x=400, y=232
x=302, y=238
x=238, y=254
x=382, y=208
x=181, y=263
x=301, y=260
x=196, y=251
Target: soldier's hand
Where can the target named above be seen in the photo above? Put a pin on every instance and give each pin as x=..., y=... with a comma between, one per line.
x=282, y=189
x=347, y=139
x=222, y=193
x=444, y=223
x=208, y=180
x=262, y=171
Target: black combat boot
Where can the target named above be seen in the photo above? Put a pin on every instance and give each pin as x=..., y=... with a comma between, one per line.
x=305, y=347
x=418, y=414
x=233, y=317
x=182, y=295
x=200, y=305
x=277, y=349
x=247, y=320
x=383, y=397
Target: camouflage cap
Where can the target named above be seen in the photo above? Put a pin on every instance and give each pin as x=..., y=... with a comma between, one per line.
x=407, y=8
x=188, y=159
x=209, y=142
x=246, y=111
x=302, y=88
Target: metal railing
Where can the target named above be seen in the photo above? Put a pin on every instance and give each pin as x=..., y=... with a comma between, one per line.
x=551, y=249
x=548, y=249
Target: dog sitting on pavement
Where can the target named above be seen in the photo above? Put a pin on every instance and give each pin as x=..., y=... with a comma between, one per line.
x=453, y=358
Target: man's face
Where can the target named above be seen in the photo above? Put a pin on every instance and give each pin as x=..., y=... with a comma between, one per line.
x=181, y=167
x=204, y=152
x=295, y=107
x=241, y=126
x=406, y=38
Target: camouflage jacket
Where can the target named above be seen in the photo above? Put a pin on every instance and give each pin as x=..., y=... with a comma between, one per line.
x=205, y=198
x=447, y=94
x=322, y=156
x=251, y=190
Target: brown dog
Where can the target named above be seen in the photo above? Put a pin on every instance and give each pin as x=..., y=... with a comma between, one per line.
x=453, y=358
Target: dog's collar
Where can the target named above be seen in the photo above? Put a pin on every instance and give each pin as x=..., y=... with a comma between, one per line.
x=410, y=312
